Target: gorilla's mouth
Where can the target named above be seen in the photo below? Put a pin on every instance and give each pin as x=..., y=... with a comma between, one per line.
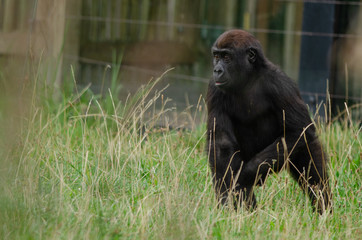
x=220, y=83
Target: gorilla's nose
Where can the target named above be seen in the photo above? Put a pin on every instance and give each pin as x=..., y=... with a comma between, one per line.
x=218, y=72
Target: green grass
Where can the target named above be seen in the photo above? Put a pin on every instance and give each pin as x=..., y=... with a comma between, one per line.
x=90, y=168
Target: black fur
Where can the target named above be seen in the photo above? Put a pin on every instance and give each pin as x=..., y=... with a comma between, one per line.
x=254, y=110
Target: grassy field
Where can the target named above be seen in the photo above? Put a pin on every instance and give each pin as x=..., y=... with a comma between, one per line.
x=95, y=168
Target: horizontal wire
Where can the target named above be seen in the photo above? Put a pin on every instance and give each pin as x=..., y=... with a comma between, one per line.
x=138, y=69
x=206, y=26
x=193, y=78
x=324, y=2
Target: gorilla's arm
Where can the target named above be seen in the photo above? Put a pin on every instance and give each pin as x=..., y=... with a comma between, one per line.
x=294, y=119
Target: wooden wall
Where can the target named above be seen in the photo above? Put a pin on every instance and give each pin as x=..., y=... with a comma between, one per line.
x=148, y=34
x=146, y=31
x=32, y=31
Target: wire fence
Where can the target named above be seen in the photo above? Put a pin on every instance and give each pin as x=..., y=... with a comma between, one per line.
x=185, y=77
x=357, y=35
x=107, y=18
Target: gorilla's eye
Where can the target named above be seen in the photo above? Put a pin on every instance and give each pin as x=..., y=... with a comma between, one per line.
x=227, y=58
x=216, y=56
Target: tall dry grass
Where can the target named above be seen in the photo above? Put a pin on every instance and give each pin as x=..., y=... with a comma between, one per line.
x=92, y=167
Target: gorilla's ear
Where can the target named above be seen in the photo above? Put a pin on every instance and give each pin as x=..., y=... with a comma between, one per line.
x=252, y=54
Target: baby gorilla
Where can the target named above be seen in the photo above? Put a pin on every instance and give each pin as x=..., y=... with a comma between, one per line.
x=257, y=124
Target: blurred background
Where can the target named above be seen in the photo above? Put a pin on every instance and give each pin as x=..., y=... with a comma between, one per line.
x=317, y=43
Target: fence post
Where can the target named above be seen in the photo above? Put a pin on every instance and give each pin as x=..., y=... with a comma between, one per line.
x=47, y=38
x=71, y=38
